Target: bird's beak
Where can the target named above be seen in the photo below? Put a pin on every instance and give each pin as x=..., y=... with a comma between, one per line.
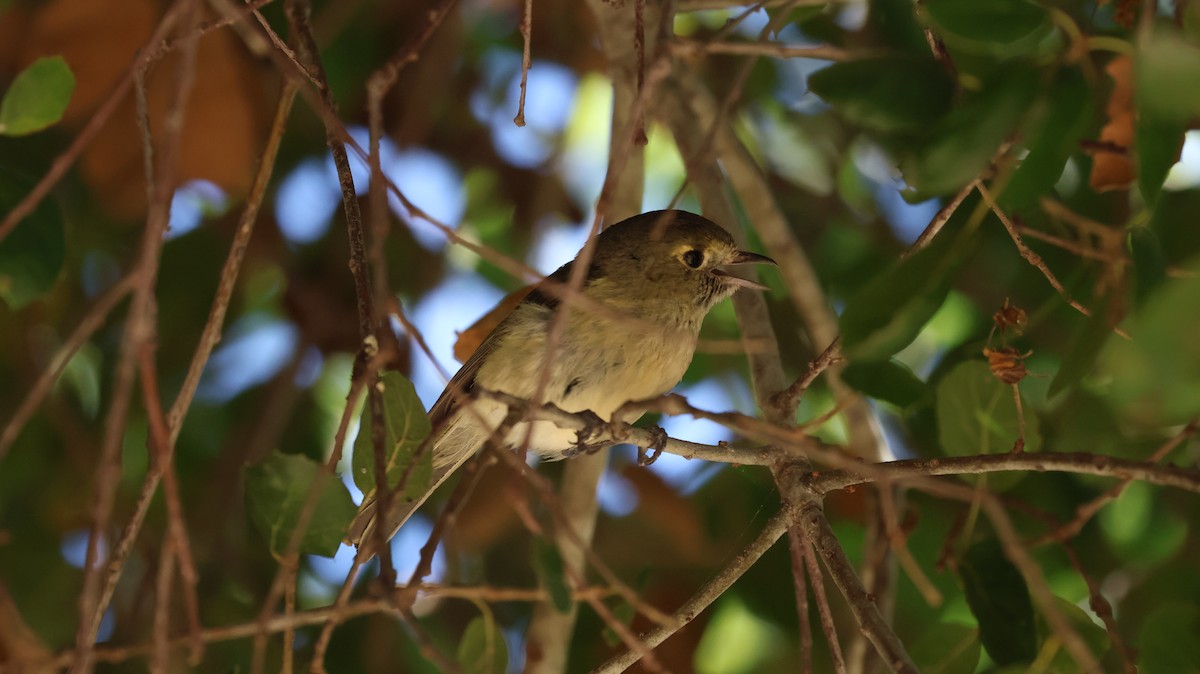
x=744, y=257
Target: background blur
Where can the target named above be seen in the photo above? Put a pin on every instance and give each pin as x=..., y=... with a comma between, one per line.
x=856, y=191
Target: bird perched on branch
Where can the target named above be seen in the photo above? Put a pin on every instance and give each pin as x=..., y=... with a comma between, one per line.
x=628, y=335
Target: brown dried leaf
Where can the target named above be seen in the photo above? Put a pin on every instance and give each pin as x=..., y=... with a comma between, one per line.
x=97, y=39
x=1112, y=168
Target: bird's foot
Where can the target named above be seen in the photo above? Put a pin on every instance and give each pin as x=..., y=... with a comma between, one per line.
x=648, y=455
x=593, y=425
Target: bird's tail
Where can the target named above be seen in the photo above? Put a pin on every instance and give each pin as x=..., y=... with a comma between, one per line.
x=362, y=529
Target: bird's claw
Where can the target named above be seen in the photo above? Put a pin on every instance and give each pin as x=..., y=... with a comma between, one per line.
x=648, y=455
x=593, y=425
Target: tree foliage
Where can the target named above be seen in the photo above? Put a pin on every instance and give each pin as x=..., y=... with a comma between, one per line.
x=986, y=217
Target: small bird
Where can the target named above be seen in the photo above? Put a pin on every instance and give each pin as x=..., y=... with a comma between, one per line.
x=654, y=291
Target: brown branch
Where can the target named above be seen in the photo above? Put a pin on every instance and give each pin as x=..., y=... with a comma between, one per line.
x=1085, y=512
x=787, y=399
x=686, y=47
x=526, y=59
x=939, y=220
x=796, y=545
x=210, y=335
x=139, y=328
x=862, y=604
x=160, y=661
x=177, y=545
x=1032, y=257
x=828, y=628
x=774, y=529
x=1070, y=246
x=91, y=322
x=1080, y=463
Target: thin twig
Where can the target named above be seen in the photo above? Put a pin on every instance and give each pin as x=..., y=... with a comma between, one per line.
x=91, y=322
x=828, y=628
x=526, y=59
x=939, y=220
x=774, y=529
x=789, y=398
x=1085, y=512
x=685, y=47
x=796, y=544
x=139, y=327
x=862, y=604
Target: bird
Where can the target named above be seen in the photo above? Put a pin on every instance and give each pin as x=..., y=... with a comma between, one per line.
x=651, y=280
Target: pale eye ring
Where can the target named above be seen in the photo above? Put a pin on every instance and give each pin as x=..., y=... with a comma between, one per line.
x=693, y=258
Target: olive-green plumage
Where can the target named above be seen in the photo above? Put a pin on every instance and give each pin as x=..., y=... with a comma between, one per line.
x=651, y=281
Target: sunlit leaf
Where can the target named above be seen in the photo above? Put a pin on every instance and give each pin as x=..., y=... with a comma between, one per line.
x=1168, y=67
x=276, y=490
x=37, y=98
x=1141, y=533
x=998, y=597
x=947, y=648
x=887, y=313
x=405, y=427
x=976, y=413
x=482, y=649
x=33, y=253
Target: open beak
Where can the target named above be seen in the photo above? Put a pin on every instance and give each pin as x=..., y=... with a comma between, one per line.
x=743, y=257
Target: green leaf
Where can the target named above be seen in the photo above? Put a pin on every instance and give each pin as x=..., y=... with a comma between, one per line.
x=1140, y=532
x=976, y=413
x=1067, y=113
x=1167, y=643
x=276, y=490
x=482, y=649
x=894, y=93
x=887, y=313
x=887, y=380
x=37, y=98
x=405, y=427
x=998, y=597
x=990, y=27
x=1149, y=261
x=1093, y=635
x=1086, y=343
x=1158, y=144
x=1174, y=221
x=1157, y=372
x=549, y=566
x=947, y=648
x=965, y=140
x=895, y=22
x=33, y=253
x=624, y=612
x=1166, y=70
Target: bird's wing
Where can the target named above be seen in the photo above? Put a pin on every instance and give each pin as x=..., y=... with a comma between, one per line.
x=461, y=385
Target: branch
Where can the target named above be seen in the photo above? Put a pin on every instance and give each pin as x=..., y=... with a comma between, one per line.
x=1080, y=463
x=771, y=533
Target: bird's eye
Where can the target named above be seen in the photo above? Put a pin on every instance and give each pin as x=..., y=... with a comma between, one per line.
x=693, y=258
